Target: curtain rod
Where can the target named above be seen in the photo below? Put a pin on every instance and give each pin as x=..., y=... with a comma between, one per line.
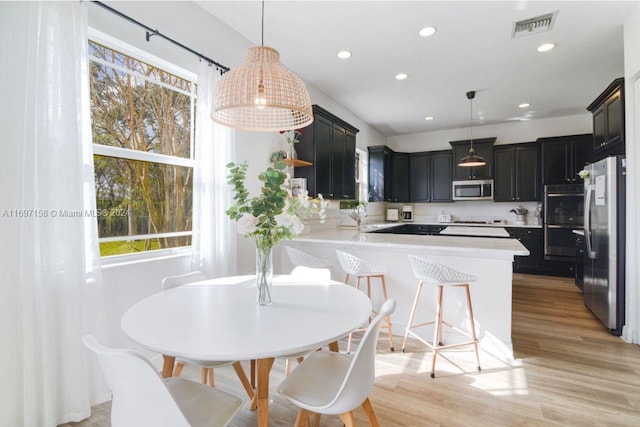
x=151, y=32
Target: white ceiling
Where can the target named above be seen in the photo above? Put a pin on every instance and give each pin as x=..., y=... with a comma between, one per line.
x=472, y=50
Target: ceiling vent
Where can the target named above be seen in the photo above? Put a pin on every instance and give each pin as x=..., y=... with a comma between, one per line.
x=536, y=25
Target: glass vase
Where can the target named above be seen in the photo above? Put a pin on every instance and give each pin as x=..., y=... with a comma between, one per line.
x=264, y=274
x=291, y=151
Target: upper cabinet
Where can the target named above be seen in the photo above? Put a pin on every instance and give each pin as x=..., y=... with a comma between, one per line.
x=608, y=120
x=388, y=175
x=409, y=177
x=330, y=144
x=431, y=176
x=483, y=148
x=517, y=173
x=564, y=156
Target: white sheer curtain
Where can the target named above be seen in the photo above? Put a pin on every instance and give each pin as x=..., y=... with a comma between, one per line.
x=214, y=235
x=50, y=277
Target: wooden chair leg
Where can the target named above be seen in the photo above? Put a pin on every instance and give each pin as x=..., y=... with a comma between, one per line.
x=248, y=388
x=316, y=419
x=203, y=376
x=412, y=315
x=287, y=367
x=178, y=369
x=473, y=326
x=371, y=414
x=347, y=419
x=212, y=381
x=302, y=420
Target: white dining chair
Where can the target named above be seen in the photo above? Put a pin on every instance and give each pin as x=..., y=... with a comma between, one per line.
x=207, y=366
x=141, y=397
x=334, y=383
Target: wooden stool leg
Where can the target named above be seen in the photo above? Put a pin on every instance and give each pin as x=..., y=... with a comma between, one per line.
x=437, y=332
x=203, y=376
x=412, y=315
x=473, y=326
x=388, y=320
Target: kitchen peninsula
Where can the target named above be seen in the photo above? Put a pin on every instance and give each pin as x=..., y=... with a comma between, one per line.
x=489, y=259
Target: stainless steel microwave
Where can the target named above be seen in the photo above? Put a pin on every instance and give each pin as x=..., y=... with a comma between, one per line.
x=477, y=189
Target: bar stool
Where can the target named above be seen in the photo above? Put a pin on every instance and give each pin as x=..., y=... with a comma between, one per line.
x=431, y=272
x=299, y=258
x=360, y=268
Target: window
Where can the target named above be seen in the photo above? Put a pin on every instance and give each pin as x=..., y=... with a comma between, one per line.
x=142, y=119
x=362, y=181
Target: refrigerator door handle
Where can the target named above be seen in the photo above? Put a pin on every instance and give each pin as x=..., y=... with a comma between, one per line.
x=587, y=223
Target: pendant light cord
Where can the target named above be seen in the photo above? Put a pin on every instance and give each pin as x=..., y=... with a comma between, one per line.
x=262, y=39
x=471, y=123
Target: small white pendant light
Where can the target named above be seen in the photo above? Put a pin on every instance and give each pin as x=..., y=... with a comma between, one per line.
x=261, y=94
x=471, y=159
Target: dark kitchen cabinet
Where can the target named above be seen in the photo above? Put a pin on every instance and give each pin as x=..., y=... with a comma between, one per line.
x=400, y=178
x=380, y=175
x=517, y=173
x=608, y=120
x=483, y=148
x=430, y=176
x=563, y=157
x=388, y=175
x=531, y=238
x=330, y=144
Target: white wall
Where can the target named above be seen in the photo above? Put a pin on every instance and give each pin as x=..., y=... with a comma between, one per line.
x=631, y=331
x=506, y=133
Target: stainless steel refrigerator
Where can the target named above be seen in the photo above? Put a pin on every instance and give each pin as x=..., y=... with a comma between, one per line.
x=604, y=232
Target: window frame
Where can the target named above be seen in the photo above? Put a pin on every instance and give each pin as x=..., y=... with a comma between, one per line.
x=143, y=156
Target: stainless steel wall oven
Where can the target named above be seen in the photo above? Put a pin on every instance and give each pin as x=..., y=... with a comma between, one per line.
x=563, y=213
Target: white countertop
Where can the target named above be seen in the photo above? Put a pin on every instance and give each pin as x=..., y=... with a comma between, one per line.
x=475, y=231
x=476, y=247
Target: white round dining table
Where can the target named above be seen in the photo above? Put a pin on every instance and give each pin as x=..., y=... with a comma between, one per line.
x=219, y=319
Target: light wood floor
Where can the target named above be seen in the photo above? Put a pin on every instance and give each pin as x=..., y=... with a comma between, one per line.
x=568, y=372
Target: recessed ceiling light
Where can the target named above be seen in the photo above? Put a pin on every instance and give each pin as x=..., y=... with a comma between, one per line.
x=524, y=105
x=546, y=47
x=427, y=31
x=429, y=118
x=401, y=76
x=344, y=54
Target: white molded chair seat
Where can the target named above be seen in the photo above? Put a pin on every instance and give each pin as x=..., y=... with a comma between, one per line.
x=354, y=266
x=142, y=398
x=299, y=258
x=207, y=366
x=334, y=383
x=431, y=272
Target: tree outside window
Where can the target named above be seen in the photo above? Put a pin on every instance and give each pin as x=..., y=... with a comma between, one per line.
x=142, y=124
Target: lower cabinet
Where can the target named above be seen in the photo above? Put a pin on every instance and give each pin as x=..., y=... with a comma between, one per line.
x=532, y=239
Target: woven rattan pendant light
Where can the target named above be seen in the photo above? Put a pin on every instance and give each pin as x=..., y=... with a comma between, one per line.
x=261, y=94
x=471, y=159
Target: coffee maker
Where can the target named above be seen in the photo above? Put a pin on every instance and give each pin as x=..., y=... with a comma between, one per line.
x=407, y=213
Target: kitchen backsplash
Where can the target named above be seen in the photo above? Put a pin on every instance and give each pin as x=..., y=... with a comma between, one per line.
x=429, y=212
